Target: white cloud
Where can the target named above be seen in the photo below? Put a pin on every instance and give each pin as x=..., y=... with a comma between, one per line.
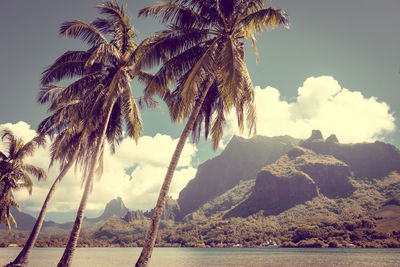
x=134, y=172
x=321, y=104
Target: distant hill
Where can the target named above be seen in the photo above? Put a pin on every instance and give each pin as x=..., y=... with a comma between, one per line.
x=24, y=220
x=241, y=160
x=114, y=208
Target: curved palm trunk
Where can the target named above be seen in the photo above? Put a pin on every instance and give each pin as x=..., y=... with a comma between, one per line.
x=66, y=259
x=23, y=257
x=153, y=229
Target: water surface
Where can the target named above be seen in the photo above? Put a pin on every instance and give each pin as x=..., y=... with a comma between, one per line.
x=186, y=257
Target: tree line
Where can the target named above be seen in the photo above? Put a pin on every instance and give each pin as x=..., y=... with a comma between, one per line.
x=201, y=54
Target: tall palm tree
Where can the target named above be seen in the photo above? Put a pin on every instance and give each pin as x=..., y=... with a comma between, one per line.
x=108, y=101
x=94, y=107
x=202, y=52
x=15, y=174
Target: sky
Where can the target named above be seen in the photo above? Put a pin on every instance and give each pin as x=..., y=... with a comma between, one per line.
x=336, y=69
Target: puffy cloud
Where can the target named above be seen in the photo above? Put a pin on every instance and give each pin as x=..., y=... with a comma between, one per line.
x=321, y=103
x=134, y=172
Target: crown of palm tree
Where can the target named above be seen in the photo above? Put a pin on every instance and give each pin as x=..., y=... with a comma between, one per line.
x=15, y=174
x=103, y=74
x=204, y=41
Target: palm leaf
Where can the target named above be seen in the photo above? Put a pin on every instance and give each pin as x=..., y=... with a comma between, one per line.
x=86, y=32
x=39, y=173
x=264, y=18
x=3, y=156
x=175, y=14
x=203, y=66
x=131, y=113
x=48, y=93
x=66, y=70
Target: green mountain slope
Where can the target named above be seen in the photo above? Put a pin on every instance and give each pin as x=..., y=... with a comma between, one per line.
x=241, y=160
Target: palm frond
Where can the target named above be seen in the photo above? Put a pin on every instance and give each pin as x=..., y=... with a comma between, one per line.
x=167, y=44
x=132, y=116
x=66, y=70
x=39, y=173
x=3, y=156
x=175, y=14
x=230, y=73
x=48, y=93
x=114, y=128
x=218, y=125
x=147, y=102
x=263, y=19
x=172, y=70
x=204, y=66
x=86, y=32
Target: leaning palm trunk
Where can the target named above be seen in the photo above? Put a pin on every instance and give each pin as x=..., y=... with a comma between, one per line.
x=66, y=259
x=153, y=229
x=23, y=257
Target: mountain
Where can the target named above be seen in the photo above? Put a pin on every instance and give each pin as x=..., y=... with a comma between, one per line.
x=297, y=177
x=134, y=215
x=114, y=208
x=316, y=167
x=241, y=160
x=24, y=220
x=318, y=193
x=366, y=160
x=171, y=209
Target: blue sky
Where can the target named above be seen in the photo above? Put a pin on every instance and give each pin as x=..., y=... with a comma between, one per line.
x=336, y=69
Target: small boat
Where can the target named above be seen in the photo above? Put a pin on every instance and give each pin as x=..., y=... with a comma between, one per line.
x=270, y=244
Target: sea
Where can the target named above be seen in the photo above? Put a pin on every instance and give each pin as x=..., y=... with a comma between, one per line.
x=208, y=257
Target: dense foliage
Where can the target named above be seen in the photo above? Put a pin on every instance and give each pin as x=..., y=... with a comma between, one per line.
x=364, y=219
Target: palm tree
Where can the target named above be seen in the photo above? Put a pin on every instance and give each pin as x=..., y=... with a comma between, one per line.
x=94, y=107
x=108, y=101
x=66, y=148
x=15, y=174
x=202, y=52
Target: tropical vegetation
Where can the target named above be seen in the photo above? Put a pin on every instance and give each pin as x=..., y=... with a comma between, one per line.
x=15, y=173
x=364, y=219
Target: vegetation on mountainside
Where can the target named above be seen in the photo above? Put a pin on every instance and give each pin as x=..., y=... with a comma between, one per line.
x=223, y=202
x=361, y=220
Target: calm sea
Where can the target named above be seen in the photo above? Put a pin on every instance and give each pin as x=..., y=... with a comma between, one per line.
x=187, y=257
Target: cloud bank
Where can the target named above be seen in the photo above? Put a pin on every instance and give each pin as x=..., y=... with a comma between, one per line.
x=321, y=103
x=134, y=172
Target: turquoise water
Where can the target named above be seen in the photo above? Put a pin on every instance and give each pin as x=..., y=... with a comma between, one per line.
x=187, y=257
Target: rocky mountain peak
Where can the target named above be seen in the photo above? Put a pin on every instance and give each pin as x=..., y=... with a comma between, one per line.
x=315, y=135
x=332, y=139
x=134, y=215
x=114, y=208
x=170, y=212
x=366, y=160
